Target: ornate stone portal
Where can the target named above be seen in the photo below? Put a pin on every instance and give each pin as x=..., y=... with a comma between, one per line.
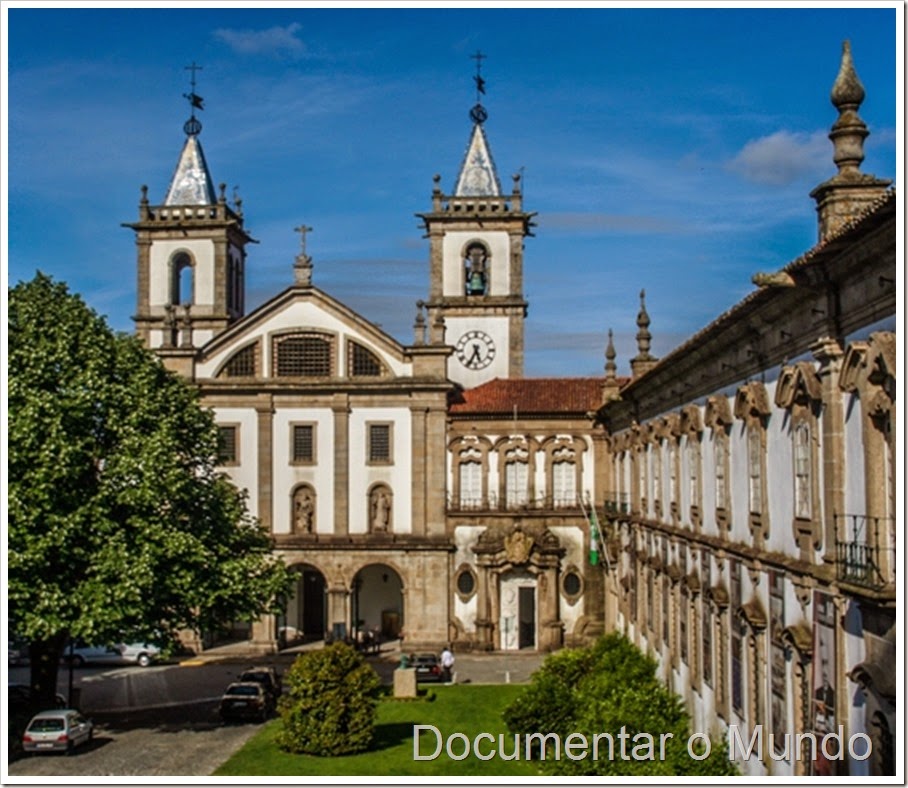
x=518, y=567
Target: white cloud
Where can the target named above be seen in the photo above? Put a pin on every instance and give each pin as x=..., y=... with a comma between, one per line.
x=783, y=157
x=273, y=40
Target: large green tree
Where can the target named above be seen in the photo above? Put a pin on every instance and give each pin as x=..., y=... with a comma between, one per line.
x=120, y=524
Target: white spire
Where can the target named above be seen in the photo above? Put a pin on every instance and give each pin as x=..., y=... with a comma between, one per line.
x=191, y=183
x=478, y=177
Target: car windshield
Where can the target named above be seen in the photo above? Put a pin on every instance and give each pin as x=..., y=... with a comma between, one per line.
x=47, y=724
x=254, y=677
x=241, y=690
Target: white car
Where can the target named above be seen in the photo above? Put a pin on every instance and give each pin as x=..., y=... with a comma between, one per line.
x=60, y=730
x=117, y=654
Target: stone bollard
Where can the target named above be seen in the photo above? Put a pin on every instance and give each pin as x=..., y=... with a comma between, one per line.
x=405, y=683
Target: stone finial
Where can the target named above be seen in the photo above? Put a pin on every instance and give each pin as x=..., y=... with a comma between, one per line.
x=610, y=356
x=849, y=192
x=644, y=360
x=419, y=325
x=302, y=264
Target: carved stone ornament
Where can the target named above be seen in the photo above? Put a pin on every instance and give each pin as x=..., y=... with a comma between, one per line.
x=518, y=546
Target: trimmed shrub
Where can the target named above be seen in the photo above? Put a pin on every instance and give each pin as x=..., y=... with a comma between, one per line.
x=328, y=707
x=601, y=689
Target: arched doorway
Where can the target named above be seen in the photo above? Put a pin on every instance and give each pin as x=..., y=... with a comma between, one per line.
x=378, y=602
x=306, y=614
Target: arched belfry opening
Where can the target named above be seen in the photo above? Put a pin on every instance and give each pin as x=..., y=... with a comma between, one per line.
x=476, y=269
x=182, y=279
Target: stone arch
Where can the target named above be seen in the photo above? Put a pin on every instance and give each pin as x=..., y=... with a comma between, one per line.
x=563, y=449
x=516, y=492
x=304, y=618
x=470, y=489
x=181, y=269
x=377, y=601
x=477, y=267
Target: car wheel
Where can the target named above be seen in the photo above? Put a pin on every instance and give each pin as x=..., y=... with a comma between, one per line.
x=144, y=660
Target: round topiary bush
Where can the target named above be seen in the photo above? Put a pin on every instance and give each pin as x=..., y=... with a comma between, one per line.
x=328, y=707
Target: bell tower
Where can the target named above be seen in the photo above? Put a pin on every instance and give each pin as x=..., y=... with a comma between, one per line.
x=476, y=262
x=191, y=254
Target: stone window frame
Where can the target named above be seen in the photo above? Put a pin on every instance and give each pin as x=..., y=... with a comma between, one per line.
x=465, y=268
x=718, y=417
x=691, y=430
x=294, y=494
x=753, y=410
x=465, y=568
x=223, y=372
x=371, y=492
x=389, y=460
x=502, y=448
x=235, y=459
x=869, y=372
x=656, y=467
x=707, y=648
x=293, y=459
x=463, y=450
x=563, y=449
x=353, y=346
x=799, y=393
x=572, y=599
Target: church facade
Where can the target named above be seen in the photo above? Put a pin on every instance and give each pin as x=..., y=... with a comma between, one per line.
x=423, y=490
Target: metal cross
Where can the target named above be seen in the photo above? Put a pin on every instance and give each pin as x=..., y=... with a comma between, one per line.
x=302, y=230
x=193, y=68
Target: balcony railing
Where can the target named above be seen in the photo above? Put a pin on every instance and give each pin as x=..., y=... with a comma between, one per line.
x=867, y=557
x=493, y=503
x=617, y=503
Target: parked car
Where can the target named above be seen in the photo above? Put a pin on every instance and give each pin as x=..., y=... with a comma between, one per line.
x=428, y=668
x=60, y=730
x=17, y=653
x=268, y=677
x=245, y=700
x=140, y=654
x=21, y=697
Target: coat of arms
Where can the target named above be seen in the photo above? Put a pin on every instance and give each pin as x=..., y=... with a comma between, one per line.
x=518, y=545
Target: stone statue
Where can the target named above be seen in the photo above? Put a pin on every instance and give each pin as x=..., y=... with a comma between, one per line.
x=381, y=510
x=304, y=512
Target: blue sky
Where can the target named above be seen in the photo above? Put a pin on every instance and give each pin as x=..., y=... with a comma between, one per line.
x=665, y=148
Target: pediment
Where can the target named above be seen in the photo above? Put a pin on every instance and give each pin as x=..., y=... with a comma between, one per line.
x=798, y=383
x=305, y=311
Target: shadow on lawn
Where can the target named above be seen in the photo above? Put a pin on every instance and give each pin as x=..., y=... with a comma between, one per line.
x=390, y=734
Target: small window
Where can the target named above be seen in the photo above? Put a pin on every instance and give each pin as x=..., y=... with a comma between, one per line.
x=572, y=584
x=363, y=362
x=755, y=469
x=379, y=450
x=241, y=364
x=303, y=443
x=228, y=453
x=803, y=483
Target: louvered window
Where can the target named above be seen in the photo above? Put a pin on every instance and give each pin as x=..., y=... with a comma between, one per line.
x=303, y=443
x=380, y=443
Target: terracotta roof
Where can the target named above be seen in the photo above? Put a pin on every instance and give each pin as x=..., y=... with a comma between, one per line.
x=530, y=396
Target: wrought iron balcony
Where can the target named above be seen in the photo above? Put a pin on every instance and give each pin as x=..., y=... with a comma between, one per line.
x=493, y=503
x=867, y=558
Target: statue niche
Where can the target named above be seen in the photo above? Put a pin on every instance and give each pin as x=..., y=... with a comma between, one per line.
x=304, y=510
x=380, y=508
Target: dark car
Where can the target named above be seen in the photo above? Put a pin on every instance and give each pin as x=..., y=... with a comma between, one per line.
x=268, y=677
x=21, y=698
x=245, y=700
x=428, y=668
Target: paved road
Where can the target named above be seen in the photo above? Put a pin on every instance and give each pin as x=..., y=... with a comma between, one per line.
x=162, y=721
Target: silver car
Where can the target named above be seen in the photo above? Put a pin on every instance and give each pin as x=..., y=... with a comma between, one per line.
x=59, y=730
x=140, y=654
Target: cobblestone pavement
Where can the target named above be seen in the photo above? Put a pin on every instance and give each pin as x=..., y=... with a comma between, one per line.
x=188, y=740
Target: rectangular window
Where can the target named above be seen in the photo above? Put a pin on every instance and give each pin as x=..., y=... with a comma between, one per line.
x=470, y=485
x=693, y=461
x=803, y=508
x=516, y=484
x=564, y=484
x=379, y=449
x=721, y=455
x=302, y=449
x=707, y=619
x=737, y=640
x=755, y=469
x=228, y=444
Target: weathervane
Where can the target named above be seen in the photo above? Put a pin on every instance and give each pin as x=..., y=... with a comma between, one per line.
x=193, y=126
x=478, y=114
x=302, y=266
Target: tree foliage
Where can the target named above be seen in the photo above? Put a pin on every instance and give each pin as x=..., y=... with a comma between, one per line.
x=601, y=689
x=119, y=522
x=329, y=706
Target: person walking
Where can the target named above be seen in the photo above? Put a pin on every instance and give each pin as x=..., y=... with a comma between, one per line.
x=447, y=662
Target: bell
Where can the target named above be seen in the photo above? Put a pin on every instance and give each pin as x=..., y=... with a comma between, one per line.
x=477, y=284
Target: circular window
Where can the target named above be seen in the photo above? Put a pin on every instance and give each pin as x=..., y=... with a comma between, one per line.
x=572, y=584
x=466, y=582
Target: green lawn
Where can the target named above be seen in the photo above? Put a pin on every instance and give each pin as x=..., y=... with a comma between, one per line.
x=460, y=708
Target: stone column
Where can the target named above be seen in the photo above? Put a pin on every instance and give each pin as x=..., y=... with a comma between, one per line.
x=264, y=410
x=483, y=601
x=338, y=609
x=419, y=452
x=436, y=471
x=341, y=408
x=264, y=635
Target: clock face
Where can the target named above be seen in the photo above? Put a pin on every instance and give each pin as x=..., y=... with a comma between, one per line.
x=475, y=350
